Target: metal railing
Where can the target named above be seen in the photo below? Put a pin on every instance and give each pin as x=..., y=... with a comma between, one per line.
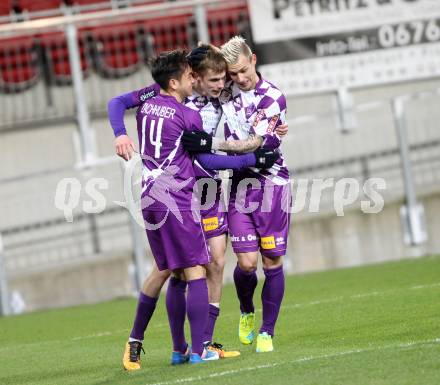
x=112, y=51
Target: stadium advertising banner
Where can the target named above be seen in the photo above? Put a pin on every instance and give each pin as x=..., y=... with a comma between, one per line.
x=308, y=46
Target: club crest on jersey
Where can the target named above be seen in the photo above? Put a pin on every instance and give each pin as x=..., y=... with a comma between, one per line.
x=238, y=104
x=200, y=101
x=249, y=110
x=225, y=96
x=261, y=114
x=272, y=123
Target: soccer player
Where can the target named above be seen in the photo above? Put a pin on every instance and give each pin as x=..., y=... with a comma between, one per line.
x=253, y=108
x=210, y=70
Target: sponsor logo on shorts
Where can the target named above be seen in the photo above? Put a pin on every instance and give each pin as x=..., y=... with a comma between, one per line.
x=210, y=224
x=243, y=238
x=268, y=242
x=272, y=123
x=280, y=241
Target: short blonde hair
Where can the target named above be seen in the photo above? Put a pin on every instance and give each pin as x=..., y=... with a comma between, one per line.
x=233, y=48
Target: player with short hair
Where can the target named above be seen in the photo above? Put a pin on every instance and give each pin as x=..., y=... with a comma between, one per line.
x=161, y=122
x=253, y=108
x=209, y=69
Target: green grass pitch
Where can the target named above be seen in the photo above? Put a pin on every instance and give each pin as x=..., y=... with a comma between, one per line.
x=378, y=324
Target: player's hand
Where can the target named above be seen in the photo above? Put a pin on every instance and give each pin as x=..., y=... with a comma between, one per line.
x=124, y=147
x=265, y=158
x=197, y=141
x=282, y=129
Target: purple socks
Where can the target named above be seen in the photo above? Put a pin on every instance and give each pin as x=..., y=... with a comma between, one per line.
x=271, y=297
x=197, y=310
x=176, y=309
x=144, y=311
x=214, y=311
x=245, y=284
x=195, y=305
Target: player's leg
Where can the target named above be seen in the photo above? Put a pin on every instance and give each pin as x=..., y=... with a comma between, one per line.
x=273, y=229
x=245, y=244
x=197, y=310
x=174, y=247
x=144, y=311
x=176, y=311
x=182, y=247
x=245, y=279
x=214, y=278
x=271, y=298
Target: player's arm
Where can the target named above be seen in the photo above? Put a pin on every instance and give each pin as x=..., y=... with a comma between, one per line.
x=246, y=145
x=269, y=127
x=259, y=158
x=116, y=107
x=200, y=141
x=203, y=142
x=238, y=146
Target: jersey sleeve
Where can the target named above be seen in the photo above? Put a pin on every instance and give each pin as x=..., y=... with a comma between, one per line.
x=271, y=112
x=224, y=162
x=116, y=106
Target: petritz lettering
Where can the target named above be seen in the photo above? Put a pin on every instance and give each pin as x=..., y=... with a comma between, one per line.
x=159, y=111
x=315, y=7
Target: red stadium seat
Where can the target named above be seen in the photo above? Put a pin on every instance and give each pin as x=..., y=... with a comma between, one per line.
x=40, y=5
x=224, y=24
x=5, y=7
x=169, y=33
x=18, y=64
x=116, y=50
x=57, y=56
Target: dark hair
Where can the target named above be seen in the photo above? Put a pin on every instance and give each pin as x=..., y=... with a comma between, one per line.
x=169, y=65
x=204, y=58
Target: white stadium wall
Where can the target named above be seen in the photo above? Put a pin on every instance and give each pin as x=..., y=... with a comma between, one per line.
x=53, y=262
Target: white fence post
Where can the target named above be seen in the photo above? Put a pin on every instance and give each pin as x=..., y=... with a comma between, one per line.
x=82, y=113
x=347, y=120
x=4, y=292
x=201, y=22
x=412, y=213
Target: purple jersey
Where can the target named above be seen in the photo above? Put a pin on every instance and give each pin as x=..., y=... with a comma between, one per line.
x=208, y=108
x=168, y=174
x=258, y=111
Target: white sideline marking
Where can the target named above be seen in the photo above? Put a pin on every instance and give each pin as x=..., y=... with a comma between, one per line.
x=424, y=286
x=299, y=360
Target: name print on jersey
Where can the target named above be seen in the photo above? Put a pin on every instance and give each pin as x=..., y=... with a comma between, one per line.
x=159, y=111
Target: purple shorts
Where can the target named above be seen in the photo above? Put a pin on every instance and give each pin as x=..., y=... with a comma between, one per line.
x=176, y=245
x=214, y=218
x=265, y=228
